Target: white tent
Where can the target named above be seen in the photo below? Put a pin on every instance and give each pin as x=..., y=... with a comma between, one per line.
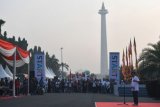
x=48, y=74
x=3, y=74
x=51, y=71
x=8, y=71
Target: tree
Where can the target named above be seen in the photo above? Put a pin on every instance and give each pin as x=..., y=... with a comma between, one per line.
x=2, y=22
x=65, y=65
x=5, y=34
x=35, y=50
x=87, y=72
x=39, y=49
x=150, y=62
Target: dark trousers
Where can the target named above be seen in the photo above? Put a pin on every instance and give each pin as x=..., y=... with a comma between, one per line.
x=135, y=97
x=17, y=91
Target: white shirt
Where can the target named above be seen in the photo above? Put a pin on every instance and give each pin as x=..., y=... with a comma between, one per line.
x=135, y=85
x=103, y=83
x=107, y=83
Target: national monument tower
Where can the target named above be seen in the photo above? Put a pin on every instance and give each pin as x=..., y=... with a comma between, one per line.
x=104, y=52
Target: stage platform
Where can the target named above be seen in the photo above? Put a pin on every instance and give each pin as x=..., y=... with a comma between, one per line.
x=128, y=104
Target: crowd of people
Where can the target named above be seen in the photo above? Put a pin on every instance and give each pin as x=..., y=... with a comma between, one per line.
x=6, y=86
x=56, y=85
x=69, y=86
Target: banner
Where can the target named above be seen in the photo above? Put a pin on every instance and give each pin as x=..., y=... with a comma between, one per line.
x=114, y=66
x=39, y=66
x=7, y=49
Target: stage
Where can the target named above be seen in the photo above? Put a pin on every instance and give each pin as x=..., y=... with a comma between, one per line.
x=129, y=104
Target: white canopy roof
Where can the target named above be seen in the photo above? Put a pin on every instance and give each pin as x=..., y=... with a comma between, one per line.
x=8, y=71
x=3, y=73
x=48, y=73
x=51, y=71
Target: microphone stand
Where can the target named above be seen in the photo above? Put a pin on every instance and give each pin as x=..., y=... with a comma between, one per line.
x=124, y=92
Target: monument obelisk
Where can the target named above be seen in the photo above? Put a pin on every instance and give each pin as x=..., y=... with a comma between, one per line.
x=104, y=53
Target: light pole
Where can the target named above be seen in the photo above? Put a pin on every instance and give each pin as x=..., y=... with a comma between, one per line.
x=61, y=62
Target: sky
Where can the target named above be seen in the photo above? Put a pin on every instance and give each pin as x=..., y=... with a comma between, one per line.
x=75, y=26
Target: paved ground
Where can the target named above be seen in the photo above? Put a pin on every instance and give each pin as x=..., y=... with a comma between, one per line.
x=66, y=100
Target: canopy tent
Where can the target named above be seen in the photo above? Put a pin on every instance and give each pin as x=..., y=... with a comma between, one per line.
x=15, y=57
x=48, y=74
x=21, y=58
x=3, y=74
x=51, y=71
x=6, y=48
x=8, y=72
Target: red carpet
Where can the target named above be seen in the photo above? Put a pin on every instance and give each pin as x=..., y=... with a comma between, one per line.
x=8, y=97
x=119, y=104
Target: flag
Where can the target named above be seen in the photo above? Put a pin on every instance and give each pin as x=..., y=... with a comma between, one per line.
x=130, y=56
x=123, y=58
x=135, y=50
x=127, y=70
x=135, y=46
x=130, y=48
x=123, y=66
x=126, y=56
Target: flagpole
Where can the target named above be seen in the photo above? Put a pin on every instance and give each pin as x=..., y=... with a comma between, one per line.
x=28, y=77
x=62, y=63
x=14, y=73
x=70, y=75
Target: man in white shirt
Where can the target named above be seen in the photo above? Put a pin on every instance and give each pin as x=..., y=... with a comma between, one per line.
x=135, y=88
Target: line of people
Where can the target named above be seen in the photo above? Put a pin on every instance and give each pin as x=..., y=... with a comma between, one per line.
x=54, y=86
x=6, y=86
x=67, y=86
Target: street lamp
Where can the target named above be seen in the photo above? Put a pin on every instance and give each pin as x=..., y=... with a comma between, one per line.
x=61, y=61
